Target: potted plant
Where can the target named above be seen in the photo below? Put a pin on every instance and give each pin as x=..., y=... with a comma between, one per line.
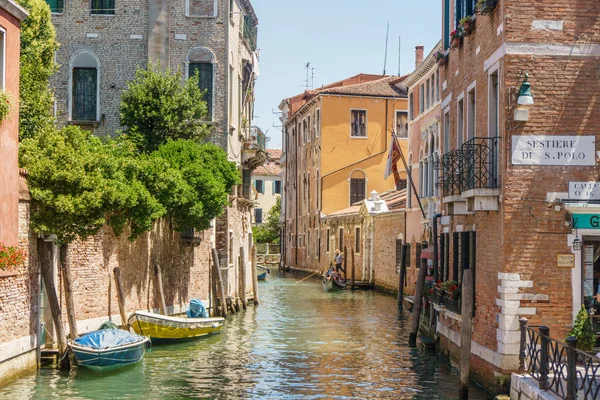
x=456, y=38
x=441, y=57
x=485, y=6
x=10, y=258
x=467, y=25
x=582, y=330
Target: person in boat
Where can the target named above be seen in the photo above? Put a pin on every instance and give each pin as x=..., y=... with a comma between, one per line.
x=339, y=260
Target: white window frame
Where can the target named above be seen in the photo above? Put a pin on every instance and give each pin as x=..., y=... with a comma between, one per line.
x=72, y=65
x=473, y=114
x=446, y=131
x=215, y=12
x=460, y=120
x=318, y=124
x=366, y=123
x=396, y=120
x=214, y=80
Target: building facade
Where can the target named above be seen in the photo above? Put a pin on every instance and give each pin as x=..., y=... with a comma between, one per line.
x=103, y=42
x=267, y=185
x=519, y=136
x=336, y=143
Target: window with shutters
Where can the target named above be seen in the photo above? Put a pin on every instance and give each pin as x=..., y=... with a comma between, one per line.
x=83, y=99
x=357, y=240
x=103, y=7
x=277, y=187
x=201, y=62
x=259, y=185
x=56, y=6
x=357, y=190
x=402, y=124
x=201, y=8
x=258, y=215
x=358, y=123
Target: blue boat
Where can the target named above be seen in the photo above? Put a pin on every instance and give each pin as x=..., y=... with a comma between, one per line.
x=109, y=349
x=262, y=272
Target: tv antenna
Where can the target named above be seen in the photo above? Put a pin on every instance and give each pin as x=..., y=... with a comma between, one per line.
x=387, y=34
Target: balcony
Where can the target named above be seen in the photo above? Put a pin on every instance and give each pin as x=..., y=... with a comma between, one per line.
x=250, y=33
x=253, y=148
x=469, y=178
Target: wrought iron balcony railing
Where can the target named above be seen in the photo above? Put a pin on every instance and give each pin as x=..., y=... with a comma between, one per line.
x=473, y=166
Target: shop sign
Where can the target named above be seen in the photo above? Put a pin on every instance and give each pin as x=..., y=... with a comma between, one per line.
x=584, y=190
x=553, y=150
x=565, y=260
x=586, y=221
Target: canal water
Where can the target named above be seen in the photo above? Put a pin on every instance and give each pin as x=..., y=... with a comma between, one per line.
x=299, y=343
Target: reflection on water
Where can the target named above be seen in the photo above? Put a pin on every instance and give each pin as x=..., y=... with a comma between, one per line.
x=299, y=343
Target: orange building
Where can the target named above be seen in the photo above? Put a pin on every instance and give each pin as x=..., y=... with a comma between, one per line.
x=336, y=143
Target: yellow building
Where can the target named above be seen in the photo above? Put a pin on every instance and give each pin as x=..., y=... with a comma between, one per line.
x=336, y=144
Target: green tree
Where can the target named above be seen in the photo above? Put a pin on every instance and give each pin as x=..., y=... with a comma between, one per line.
x=156, y=107
x=38, y=44
x=269, y=231
x=79, y=183
x=192, y=181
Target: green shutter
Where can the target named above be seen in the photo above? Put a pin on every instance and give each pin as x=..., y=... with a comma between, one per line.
x=446, y=26
x=56, y=6
x=84, y=99
x=205, y=82
x=103, y=6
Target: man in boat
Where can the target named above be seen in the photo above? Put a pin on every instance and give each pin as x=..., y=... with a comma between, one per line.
x=339, y=260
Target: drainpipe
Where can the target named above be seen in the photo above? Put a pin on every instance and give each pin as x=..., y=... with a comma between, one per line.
x=435, y=246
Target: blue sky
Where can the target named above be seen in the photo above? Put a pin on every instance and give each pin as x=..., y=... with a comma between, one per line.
x=339, y=39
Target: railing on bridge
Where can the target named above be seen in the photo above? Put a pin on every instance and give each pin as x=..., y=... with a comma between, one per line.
x=558, y=367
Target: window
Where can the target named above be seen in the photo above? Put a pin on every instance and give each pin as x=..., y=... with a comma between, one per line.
x=201, y=8
x=56, y=6
x=201, y=62
x=310, y=132
x=357, y=186
x=427, y=97
x=258, y=215
x=437, y=85
x=493, y=128
x=446, y=131
x=328, y=240
x=357, y=240
x=341, y=248
x=421, y=98
x=276, y=187
x=430, y=177
x=460, y=125
x=318, y=122
x=402, y=124
x=471, y=109
x=84, y=87
x=308, y=193
x=304, y=132
x=411, y=106
x=359, y=123
x=2, y=58
x=446, y=27
x=445, y=256
x=259, y=186
x=100, y=7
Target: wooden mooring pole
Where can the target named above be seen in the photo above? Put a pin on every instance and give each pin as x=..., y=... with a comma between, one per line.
x=352, y=273
x=402, y=276
x=46, y=256
x=219, y=282
x=254, y=276
x=243, y=267
x=345, y=262
x=121, y=297
x=416, y=313
x=159, y=287
x=465, y=336
x=70, y=303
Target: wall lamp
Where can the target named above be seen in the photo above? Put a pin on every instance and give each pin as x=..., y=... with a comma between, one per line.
x=525, y=99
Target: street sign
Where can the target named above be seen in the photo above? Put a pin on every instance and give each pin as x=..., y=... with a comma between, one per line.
x=565, y=260
x=584, y=190
x=586, y=221
x=553, y=150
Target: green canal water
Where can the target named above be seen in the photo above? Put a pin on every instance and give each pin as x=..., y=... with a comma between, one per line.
x=299, y=343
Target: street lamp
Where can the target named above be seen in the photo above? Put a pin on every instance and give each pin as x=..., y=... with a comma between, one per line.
x=577, y=244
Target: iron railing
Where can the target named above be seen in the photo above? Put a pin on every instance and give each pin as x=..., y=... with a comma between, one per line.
x=473, y=166
x=250, y=32
x=441, y=298
x=558, y=367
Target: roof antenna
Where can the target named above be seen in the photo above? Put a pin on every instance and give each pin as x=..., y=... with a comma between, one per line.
x=307, y=76
x=399, y=52
x=387, y=34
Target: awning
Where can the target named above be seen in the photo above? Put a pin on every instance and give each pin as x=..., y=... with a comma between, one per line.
x=427, y=254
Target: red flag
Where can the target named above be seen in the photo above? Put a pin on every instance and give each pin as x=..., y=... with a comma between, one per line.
x=392, y=161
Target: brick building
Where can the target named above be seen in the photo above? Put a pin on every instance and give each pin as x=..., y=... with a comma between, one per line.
x=507, y=162
x=336, y=141
x=103, y=42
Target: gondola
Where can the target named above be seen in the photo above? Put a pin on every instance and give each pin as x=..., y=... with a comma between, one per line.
x=333, y=281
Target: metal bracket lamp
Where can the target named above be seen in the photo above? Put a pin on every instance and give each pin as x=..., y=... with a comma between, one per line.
x=525, y=99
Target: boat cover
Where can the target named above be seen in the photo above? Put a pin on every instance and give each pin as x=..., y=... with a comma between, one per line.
x=197, y=309
x=106, y=338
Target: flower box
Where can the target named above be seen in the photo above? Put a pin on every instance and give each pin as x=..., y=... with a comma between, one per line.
x=7, y=274
x=467, y=25
x=486, y=6
x=452, y=303
x=456, y=42
x=441, y=57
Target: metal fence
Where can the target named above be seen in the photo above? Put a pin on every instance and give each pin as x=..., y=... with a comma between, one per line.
x=558, y=367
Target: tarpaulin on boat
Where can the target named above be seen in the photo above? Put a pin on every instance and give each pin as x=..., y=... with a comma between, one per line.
x=105, y=338
x=197, y=309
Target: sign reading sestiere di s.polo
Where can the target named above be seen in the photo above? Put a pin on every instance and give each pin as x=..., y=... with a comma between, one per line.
x=553, y=150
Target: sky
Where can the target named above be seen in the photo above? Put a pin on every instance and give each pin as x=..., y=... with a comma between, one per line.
x=340, y=38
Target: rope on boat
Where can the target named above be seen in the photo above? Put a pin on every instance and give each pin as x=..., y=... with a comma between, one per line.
x=307, y=277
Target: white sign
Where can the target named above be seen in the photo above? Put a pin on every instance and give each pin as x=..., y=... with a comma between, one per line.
x=584, y=190
x=553, y=150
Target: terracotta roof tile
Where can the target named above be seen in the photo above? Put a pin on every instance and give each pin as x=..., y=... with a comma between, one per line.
x=383, y=87
x=274, y=154
x=267, y=169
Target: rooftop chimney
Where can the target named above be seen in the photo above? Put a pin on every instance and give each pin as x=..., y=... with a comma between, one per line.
x=418, y=56
x=374, y=195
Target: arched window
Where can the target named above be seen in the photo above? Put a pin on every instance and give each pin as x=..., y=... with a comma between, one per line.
x=84, y=94
x=358, y=186
x=201, y=61
x=430, y=177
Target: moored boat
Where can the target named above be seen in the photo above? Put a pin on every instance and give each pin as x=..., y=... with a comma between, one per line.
x=262, y=272
x=108, y=349
x=172, y=329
